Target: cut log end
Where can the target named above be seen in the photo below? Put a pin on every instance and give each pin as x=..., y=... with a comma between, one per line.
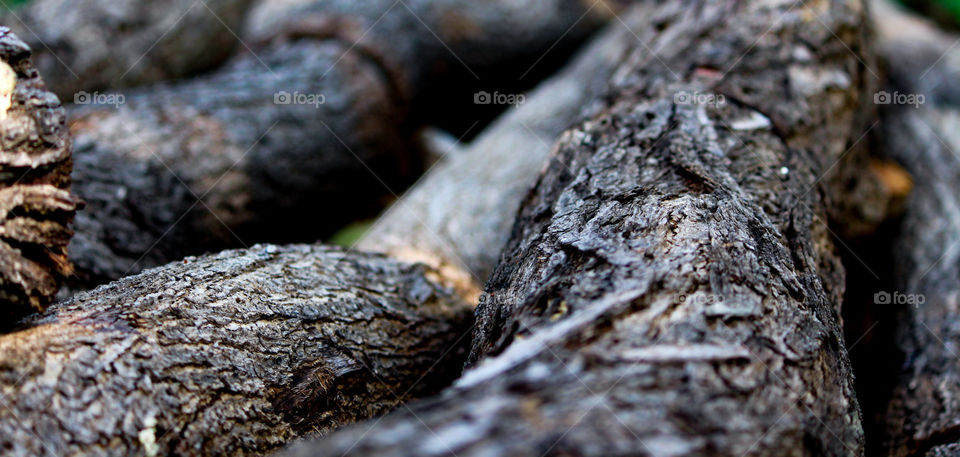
x=36, y=205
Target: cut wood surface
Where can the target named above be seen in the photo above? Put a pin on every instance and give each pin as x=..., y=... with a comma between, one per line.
x=671, y=287
x=35, y=198
x=89, y=45
x=922, y=418
x=215, y=162
x=229, y=354
x=458, y=216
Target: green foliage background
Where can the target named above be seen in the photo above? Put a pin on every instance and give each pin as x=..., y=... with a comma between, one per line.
x=946, y=12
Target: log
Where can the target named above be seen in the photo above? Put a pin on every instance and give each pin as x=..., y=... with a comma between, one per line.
x=91, y=45
x=921, y=416
x=35, y=198
x=217, y=162
x=670, y=287
x=428, y=46
x=235, y=167
x=229, y=354
x=923, y=409
x=237, y=353
x=464, y=207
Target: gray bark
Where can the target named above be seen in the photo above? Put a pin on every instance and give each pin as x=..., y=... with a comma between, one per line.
x=427, y=43
x=230, y=354
x=35, y=200
x=670, y=287
x=461, y=211
x=214, y=162
x=89, y=45
x=315, y=167
x=922, y=414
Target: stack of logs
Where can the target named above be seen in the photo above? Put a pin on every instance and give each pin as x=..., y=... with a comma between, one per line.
x=643, y=258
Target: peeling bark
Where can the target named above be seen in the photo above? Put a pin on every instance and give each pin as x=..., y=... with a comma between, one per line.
x=35, y=200
x=670, y=287
x=89, y=45
x=922, y=415
x=229, y=354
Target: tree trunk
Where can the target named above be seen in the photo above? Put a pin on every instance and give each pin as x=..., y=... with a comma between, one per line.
x=233, y=166
x=228, y=354
x=925, y=404
x=89, y=45
x=35, y=198
x=670, y=287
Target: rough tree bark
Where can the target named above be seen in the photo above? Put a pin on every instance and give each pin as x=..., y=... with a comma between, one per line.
x=228, y=354
x=422, y=43
x=35, y=197
x=458, y=216
x=205, y=164
x=922, y=417
x=670, y=287
x=280, y=172
x=236, y=353
x=88, y=45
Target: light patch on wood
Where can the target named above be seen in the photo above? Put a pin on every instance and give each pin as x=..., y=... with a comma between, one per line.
x=685, y=353
x=442, y=271
x=148, y=437
x=894, y=178
x=8, y=82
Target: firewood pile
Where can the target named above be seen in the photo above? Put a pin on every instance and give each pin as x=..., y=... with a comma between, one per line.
x=498, y=228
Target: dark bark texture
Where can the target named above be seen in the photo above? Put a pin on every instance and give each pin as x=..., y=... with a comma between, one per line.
x=922, y=418
x=427, y=43
x=459, y=215
x=35, y=200
x=215, y=162
x=924, y=410
x=229, y=354
x=201, y=165
x=670, y=287
x=88, y=45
